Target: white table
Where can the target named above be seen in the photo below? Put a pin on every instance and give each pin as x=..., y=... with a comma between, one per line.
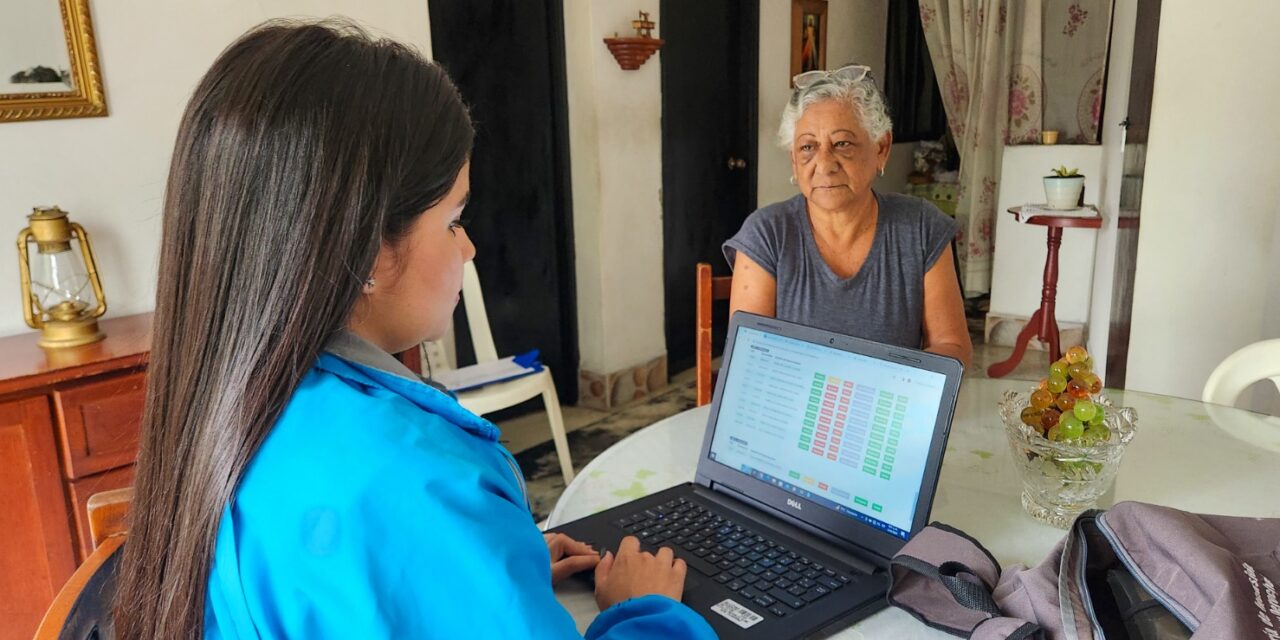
x=1186, y=454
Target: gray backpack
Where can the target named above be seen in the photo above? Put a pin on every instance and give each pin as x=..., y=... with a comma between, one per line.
x=1134, y=571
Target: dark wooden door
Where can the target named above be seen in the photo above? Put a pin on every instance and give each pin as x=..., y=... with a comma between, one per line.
x=709, y=70
x=507, y=58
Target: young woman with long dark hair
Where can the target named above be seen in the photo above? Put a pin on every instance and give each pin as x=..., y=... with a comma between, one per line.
x=295, y=480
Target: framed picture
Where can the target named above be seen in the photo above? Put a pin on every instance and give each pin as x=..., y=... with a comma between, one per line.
x=48, y=61
x=808, y=35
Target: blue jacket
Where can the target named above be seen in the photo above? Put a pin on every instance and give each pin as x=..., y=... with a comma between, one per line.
x=378, y=507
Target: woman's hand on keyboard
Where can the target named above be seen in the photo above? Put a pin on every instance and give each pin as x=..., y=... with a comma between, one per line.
x=633, y=573
x=568, y=556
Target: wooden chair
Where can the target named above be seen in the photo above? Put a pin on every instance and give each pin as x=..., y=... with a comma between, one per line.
x=709, y=290
x=83, y=607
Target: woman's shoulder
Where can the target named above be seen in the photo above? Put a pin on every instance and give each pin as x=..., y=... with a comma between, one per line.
x=781, y=210
x=915, y=216
x=342, y=431
x=902, y=207
x=772, y=220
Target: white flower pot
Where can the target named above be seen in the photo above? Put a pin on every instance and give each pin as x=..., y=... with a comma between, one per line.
x=1063, y=193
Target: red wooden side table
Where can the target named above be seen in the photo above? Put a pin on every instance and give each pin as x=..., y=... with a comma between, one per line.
x=1043, y=324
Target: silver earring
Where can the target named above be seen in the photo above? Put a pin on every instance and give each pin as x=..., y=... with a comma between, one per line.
x=369, y=284
x=793, y=179
x=881, y=172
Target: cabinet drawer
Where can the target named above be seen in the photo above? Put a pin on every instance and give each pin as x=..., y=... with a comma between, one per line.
x=100, y=421
x=80, y=490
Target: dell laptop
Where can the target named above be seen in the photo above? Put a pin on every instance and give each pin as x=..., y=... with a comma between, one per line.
x=820, y=460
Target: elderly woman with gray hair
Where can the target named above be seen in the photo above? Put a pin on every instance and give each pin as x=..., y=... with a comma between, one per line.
x=839, y=255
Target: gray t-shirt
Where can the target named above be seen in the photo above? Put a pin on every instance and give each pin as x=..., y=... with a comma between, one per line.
x=883, y=301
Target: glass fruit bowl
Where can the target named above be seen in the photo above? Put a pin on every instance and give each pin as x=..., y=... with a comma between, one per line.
x=1062, y=478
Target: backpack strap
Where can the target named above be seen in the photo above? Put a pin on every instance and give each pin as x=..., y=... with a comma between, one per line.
x=944, y=578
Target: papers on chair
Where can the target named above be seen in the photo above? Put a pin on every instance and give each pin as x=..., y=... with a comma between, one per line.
x=479, y=375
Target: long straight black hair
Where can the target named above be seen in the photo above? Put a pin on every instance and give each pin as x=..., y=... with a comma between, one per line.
x=303, y=149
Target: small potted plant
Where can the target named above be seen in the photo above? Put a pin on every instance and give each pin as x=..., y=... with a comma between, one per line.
x=1062, y=189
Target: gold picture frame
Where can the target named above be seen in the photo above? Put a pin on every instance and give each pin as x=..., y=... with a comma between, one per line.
x=808, y=36
x=84, y=99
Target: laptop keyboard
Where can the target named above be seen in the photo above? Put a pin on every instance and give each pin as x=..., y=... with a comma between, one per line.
x=764, y=572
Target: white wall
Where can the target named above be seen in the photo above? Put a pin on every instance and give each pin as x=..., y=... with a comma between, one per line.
x=615, y=140
x=109, y=173
x=1017, y=274
x=855, y=33
x=1207, y=263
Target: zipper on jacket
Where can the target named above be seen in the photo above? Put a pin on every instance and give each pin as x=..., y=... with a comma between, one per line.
x=515, y=471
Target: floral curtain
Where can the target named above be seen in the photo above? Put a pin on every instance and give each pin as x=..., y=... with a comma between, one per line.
x=1007, y=70
x=987, y=56
x=1076, y=38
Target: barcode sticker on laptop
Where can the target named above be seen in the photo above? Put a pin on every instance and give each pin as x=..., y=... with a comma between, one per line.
x=736, y=613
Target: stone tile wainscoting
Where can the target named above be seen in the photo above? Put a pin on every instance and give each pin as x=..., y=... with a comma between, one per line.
x=607, y=391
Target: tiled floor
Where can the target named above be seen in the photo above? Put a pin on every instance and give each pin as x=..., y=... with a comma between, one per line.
x=591, y=431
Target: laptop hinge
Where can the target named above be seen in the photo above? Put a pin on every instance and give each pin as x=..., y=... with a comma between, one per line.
x=825, y=541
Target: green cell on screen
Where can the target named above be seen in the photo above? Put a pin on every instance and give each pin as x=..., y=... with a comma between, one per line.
x=888, y=458
x=861, y=501
x=877, y=508
x=884, y=475
x=795, y=475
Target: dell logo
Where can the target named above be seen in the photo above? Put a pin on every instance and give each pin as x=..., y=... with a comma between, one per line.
x=794, y=504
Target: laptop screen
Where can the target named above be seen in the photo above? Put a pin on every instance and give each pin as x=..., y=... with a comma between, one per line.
x=844, y=430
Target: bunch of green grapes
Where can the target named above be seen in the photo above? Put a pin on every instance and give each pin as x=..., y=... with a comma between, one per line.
x=1062, y=407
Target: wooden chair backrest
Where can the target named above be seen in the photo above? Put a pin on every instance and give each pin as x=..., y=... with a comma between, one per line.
x=71, y=615
x=710, y=289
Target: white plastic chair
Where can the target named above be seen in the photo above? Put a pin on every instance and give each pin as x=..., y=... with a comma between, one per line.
x=1258, y=361
x=494, y=397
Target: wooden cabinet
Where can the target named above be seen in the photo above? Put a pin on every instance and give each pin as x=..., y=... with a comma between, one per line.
x=69, y=423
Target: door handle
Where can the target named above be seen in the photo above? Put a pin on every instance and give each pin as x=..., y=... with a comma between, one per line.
x=736, y=163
